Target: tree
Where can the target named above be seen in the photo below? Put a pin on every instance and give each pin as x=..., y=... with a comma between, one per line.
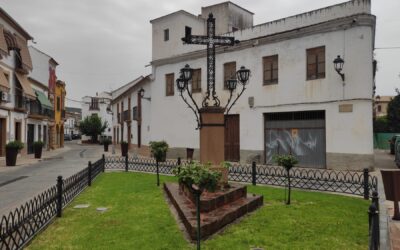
x=92, y=126
x=393, y=113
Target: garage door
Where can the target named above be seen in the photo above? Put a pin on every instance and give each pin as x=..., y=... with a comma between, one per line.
x=301, y=134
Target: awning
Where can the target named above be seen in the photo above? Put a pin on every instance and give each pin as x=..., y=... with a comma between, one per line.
x=24, y=52
x=3, y=80
x=44, y=101
x=26, y=86
x=3, y=43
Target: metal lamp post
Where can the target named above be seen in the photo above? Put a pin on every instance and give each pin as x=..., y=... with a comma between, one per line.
x=241, y=76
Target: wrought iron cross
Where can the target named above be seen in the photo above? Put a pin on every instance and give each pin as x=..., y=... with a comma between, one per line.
x=211, y=40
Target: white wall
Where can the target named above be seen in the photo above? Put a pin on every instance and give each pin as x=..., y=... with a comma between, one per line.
x=175, y=123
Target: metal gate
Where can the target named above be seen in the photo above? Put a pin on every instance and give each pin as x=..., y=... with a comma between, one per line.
x=301, y=134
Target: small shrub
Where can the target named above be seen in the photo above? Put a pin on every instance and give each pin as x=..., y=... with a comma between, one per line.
x=198, y=174
x=15, y=145
x=38, y=144
x=106, y=141
x=124, y=143
x=159, y=149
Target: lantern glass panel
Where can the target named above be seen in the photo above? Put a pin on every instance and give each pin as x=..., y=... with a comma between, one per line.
x=181, y=84
x=231, y=84
x=243, y=74
x=187, y=72
x=338, y=62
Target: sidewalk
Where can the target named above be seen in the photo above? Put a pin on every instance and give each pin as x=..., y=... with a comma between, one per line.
x=26, y=160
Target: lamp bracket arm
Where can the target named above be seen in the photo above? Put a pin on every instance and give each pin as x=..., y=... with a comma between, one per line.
x=237, y=97
x=195, y=111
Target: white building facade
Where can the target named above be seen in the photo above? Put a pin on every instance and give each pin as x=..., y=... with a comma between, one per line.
x=99, y=105
x=295, y=101
x=15, y=89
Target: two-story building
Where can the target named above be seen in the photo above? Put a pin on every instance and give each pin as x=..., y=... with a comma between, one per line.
x=295, y=101
x=73, y=116
x=131, y=106
x=15, y=89
x=99, y=105
x=41, y=111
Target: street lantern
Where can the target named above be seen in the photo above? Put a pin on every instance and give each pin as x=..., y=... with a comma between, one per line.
x=181, y=84
x=141, y=92
x=231, y=84
x=338, y=63
x=243, y=75
x=186, y=73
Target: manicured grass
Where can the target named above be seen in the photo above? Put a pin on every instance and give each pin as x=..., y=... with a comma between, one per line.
x=138, y=217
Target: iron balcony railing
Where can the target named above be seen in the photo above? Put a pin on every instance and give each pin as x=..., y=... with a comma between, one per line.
x=63, y=113
x=19, y=102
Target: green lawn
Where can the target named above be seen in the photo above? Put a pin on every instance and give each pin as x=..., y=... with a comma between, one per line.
x=139, y=218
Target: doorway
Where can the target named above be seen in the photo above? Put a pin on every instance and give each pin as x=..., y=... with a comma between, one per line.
x=232, y=138
x=18, y=131
x=3, y=133
x=31, y=138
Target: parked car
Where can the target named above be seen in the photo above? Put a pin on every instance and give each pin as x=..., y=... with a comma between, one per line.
x=397, y=151
x=67, y=137
x=76, y=136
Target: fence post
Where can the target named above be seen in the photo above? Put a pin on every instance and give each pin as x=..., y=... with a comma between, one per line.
x=254, y=173
x=375, y=199
x=158, y=174
x=373, y=227
x=126, y=163
x=366, y=185
x=90, y=174
x=59, y=195
x=104, y=163
x=179, y=165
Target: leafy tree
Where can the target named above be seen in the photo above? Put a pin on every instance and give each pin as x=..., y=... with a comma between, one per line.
x=92, y=126
x=381, y=125
x=393, y=113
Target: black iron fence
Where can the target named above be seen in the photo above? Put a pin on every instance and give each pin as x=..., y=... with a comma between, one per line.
x=348, y=182
x=21, y=225
x=373, y=213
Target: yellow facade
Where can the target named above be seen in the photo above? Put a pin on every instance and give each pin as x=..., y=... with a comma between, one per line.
x=59, y=114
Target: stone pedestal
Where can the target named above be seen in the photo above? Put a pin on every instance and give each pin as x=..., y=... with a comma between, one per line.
x=212, y=135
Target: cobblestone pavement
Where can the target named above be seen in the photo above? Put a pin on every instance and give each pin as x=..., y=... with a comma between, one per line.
x=31, y=177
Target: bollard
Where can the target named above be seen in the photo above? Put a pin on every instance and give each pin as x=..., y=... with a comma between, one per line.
x=366, y=185
x=126, y=163
x=253, y=173
x=59, y=195
x=103, y=169
x=90, y=173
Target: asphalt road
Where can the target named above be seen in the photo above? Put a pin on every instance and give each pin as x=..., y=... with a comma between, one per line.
x=20, y=184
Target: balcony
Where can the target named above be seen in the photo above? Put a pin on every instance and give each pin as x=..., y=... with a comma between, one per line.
x=63, y=113
x=119, y=117
x=20, y=102
x=36, y=110
x=126, y=115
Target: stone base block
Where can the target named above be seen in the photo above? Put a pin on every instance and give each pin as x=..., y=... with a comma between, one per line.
x=214, y=220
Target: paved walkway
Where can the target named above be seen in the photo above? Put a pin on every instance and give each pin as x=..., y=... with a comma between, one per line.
x=390, y=230
x=31, y=177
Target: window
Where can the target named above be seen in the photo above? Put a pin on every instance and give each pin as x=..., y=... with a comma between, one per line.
x=234, y=29
x=134, y=113
x=229, y=72
x=188, y=31
x=169, y=80
x=58, y=103
x=166, y=34
x=316, y=63
x=196, y=81
x=270, y=69
x=379, y=108
x=94, y=104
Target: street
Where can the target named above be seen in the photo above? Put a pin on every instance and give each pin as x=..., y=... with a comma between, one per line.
x=20, y=184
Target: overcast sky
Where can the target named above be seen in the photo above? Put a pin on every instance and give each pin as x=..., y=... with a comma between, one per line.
x=103, y=44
